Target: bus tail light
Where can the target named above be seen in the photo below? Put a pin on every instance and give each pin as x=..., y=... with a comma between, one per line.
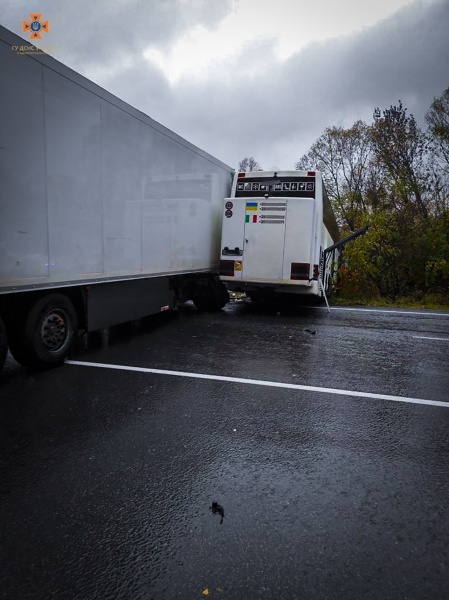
x=300, y=271
x=227, y=268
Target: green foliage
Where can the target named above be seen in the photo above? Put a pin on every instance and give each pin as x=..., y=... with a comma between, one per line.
x=437, y=271
x=399, y=148
x=436, y=255
x=395, y=178
x=397, y=257
x=438, y=121
x=368, y=262
x=433, y=301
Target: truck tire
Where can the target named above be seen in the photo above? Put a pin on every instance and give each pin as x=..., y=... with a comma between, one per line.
x=222, y=296
x=3, y=343
x=42, y=336
x=204, y=303
x=211, y=299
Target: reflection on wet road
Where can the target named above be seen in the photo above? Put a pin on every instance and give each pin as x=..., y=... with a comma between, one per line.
x=137, y=483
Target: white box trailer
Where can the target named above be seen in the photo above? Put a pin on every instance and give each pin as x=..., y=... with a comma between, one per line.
x=276, y=227
x=105, y=215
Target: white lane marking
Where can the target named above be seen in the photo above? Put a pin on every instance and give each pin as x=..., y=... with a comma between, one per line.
x=423, y=337
x=381, y=310
x=278, y=384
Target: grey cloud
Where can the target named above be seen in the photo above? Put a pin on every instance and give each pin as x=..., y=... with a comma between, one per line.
x=102, y=33
x=328, y=83
x=254, y=105
x=143, y=86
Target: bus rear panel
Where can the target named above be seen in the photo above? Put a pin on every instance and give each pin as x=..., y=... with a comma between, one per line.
x=275, y=227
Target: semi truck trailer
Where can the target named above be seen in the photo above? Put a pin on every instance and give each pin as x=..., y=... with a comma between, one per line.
x=106, y=216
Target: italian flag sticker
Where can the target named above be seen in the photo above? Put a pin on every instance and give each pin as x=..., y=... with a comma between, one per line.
x=251, y=208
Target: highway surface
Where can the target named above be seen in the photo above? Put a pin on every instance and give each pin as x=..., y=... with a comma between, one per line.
x=254, y=453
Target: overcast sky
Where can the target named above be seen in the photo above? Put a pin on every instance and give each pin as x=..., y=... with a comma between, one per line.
x=260, y=78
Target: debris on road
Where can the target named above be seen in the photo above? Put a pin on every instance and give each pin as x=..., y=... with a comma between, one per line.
x=217, y=509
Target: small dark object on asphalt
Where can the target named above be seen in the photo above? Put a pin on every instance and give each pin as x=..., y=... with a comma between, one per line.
x=217, y=509
x=311, y=331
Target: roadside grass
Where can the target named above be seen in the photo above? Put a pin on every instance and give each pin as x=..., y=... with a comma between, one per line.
x=429, y=301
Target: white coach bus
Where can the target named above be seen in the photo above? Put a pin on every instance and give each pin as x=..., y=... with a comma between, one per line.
x=279, y=234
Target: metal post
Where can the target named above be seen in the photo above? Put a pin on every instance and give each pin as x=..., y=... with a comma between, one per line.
x=324, y=294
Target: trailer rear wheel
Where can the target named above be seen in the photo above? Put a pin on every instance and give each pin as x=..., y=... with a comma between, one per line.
x=3, y=343
x=205, y=303
x=222, y=296
x=211, y=297
x=43, y=335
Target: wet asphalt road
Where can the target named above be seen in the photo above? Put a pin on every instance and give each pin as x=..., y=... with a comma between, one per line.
x=109, y=477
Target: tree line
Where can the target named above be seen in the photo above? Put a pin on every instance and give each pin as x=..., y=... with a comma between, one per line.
x=393, y=177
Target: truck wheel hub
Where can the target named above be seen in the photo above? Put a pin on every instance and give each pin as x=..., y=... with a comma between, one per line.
x=53, y=331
